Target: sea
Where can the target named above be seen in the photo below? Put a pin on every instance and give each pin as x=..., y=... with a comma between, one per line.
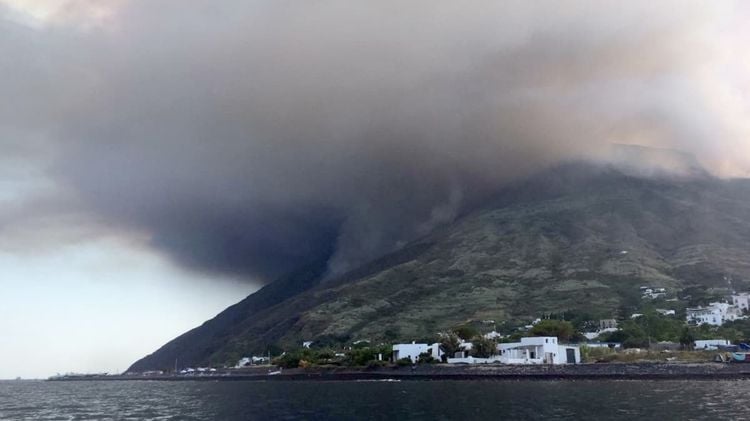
x=375, y=400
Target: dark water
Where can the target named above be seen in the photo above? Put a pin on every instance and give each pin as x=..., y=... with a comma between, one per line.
x=433, y=400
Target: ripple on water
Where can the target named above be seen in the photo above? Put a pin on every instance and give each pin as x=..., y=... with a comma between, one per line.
x=134, y=400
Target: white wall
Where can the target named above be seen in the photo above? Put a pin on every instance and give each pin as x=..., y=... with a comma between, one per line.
x=742, y=301
x=541, y=347
x=412, y=351
x=710, y=344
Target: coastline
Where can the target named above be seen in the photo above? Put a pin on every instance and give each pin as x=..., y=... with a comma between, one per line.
x=594, y=371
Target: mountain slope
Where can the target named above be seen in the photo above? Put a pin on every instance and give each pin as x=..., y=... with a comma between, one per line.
x=578, y=237
x=203, y=341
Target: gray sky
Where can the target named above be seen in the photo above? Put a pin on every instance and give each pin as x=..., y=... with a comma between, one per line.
x=162, y=159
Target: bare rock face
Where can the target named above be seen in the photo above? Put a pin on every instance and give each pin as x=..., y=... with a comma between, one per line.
x=579, y=237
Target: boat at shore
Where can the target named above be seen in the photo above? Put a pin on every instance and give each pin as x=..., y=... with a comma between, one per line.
x=742, y=355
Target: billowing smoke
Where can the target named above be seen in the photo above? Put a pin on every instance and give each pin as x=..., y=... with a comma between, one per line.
x=248, y=137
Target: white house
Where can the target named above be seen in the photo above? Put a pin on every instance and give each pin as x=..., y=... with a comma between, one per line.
x=539, y=350
x=246, y=361
x=715, y=314
x=711, y=344
x=704, y=315
x=413, y=350
x=741, y=301
x=653, y=293
x=665, y=312
x=493, y=335
x=463, y=355
x=536, y=350
x=594, y=335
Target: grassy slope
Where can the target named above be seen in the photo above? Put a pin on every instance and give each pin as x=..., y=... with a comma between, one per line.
x=542, y=253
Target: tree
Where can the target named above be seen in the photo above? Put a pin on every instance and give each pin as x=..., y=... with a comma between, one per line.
x=560, y=328
x=288, y=360
x=450, y=343
x=426, y=358
x=483, y=347
x=466, y=332
x=631, y=335
x=687, y=340
x=360, y=357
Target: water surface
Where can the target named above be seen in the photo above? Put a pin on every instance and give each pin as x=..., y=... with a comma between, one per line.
x=465, y=400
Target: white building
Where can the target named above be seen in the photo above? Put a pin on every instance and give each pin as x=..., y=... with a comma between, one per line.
x=653, y=293
x=594, y=335
x=413, y=350
x=711, y=344
x=665, y=312
x=474, y=360
x=493, y=335
x=607, y=324
x=539, y=350
x=590, y=335
x=715, y=314
x=536, y=350
x=248, y=361
x=741, y=301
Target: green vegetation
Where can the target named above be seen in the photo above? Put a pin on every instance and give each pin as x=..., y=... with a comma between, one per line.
x=650, y=328
x=364, y=356
x=483, y=347
x=560, y=328
x=361, y=356
x=606, y=355
x=466, y=332
x=426, y=358
x=403, y=362
x=450, y=343
x=687, y=339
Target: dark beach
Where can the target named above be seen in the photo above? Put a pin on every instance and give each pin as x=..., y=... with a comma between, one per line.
x=607, y=371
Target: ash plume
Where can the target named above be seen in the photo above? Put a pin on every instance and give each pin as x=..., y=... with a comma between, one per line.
x=249, y=137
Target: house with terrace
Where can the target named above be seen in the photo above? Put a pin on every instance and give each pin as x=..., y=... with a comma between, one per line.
x=539, y=350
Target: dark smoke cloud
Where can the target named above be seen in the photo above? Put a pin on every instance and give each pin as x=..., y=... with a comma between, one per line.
x=248, y=137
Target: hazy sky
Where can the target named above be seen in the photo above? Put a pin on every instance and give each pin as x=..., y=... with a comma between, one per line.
x=163, y=158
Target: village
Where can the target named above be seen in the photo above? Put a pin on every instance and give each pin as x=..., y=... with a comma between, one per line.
x=716, y=331
x=665, y=329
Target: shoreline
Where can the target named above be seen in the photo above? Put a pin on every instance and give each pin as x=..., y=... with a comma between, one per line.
x=594, y=371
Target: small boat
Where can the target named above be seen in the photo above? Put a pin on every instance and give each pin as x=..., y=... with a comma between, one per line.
x=741, y=357
x=274, y=373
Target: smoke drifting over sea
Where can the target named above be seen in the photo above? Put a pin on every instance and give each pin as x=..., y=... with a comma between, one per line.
x=248, y=137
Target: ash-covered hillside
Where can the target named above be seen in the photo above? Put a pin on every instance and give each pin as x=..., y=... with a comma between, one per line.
x=578, y=237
